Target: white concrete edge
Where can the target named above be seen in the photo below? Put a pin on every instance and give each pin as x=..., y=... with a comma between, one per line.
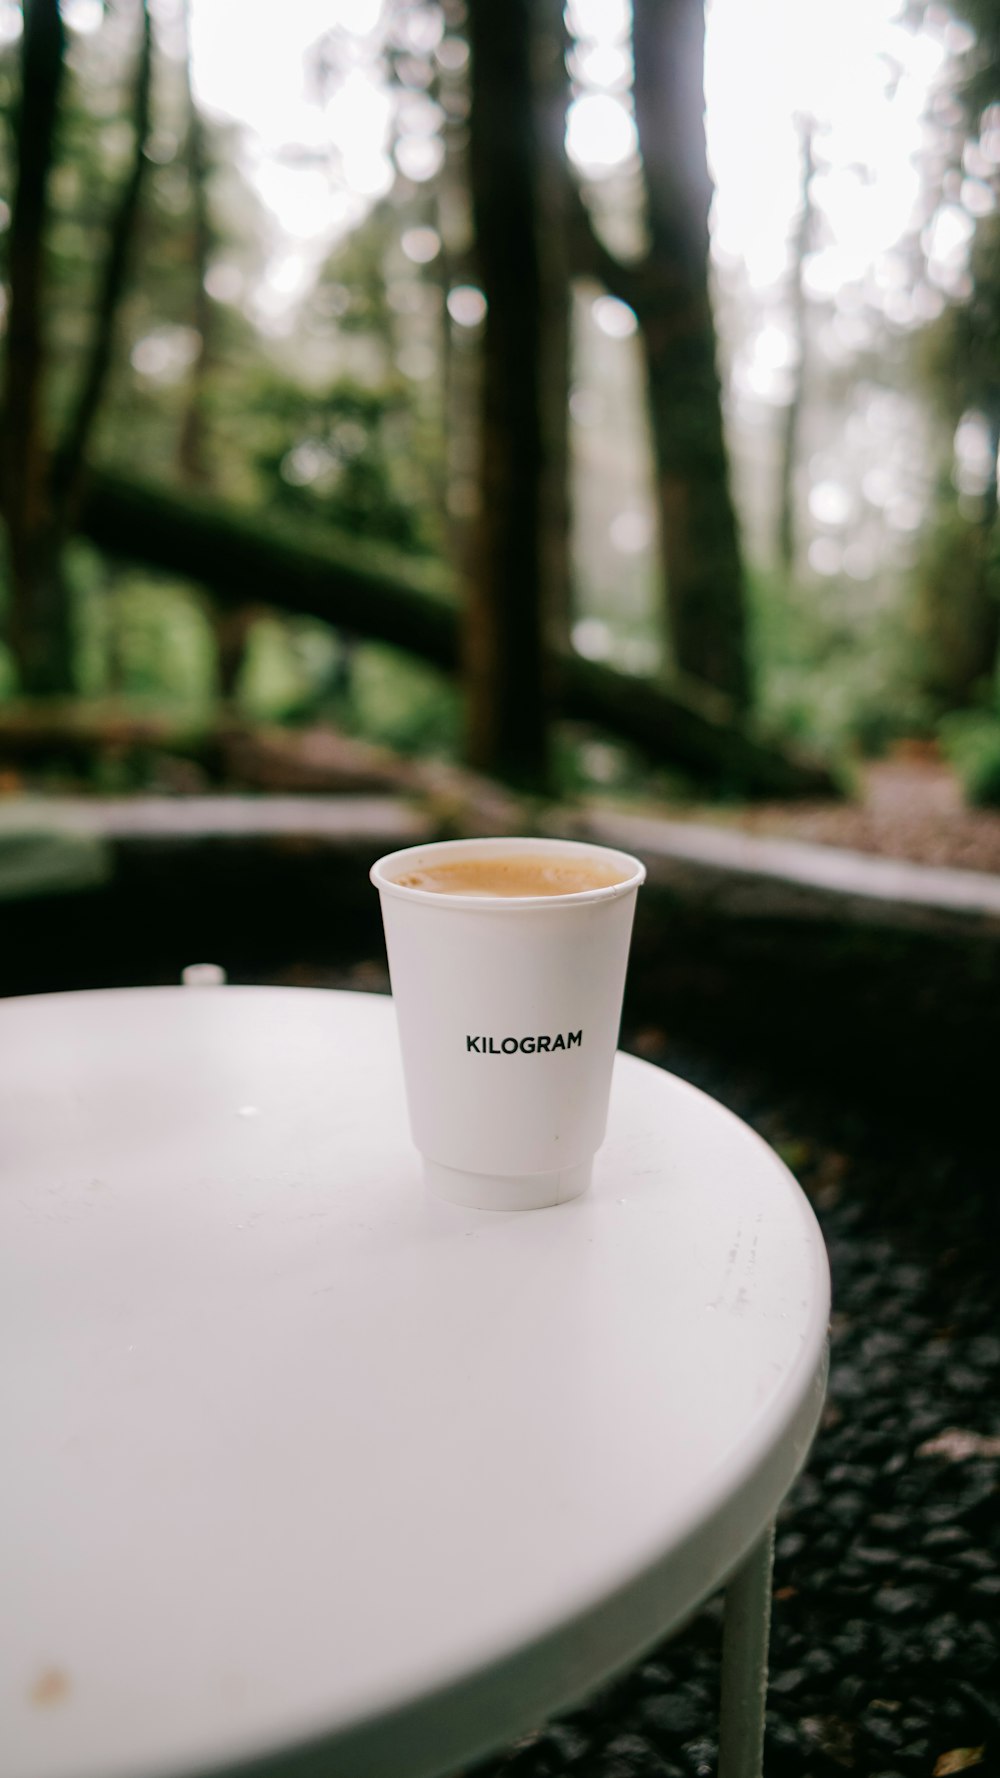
x=829, y=868
x=193, y=817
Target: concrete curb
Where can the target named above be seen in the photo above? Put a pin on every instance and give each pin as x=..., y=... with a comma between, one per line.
x=750, y=873
x=334, y=819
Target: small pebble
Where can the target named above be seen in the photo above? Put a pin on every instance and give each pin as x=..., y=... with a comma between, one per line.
x=672, y=1714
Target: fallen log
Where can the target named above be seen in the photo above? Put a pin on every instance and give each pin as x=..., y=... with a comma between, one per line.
x=241, y=559
x=378, y=594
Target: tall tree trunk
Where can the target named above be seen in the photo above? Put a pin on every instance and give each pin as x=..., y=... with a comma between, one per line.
x=192, y=445
x=957, y=591
x=981, y=654
x=700, y=544
x=459, y=349
x=71, y=455
x=554, y=266
x=506, y=655
x=786, y=538
x=41, y=492
x=231, y=629
x=989, y=656
x=39, y=629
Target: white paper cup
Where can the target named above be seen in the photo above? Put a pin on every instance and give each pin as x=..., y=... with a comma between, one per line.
x=508, y=1012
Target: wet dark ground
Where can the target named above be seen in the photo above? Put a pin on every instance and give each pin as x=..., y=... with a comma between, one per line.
x=885, y=1649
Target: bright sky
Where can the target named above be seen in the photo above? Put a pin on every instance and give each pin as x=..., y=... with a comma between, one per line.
x=318, y=159
x=847, y=63
x=767, y=63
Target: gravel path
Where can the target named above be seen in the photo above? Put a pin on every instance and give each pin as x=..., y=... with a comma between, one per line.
x=886, y=1628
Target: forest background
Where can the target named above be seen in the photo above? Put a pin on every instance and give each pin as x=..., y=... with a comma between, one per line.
x=610, y=400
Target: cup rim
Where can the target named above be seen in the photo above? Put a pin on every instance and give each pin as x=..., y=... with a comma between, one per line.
x=380, y=873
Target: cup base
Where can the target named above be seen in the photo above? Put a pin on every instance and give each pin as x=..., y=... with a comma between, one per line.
x=506, y=1191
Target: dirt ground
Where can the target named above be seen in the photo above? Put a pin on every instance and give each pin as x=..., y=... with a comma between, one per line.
x=908, y=806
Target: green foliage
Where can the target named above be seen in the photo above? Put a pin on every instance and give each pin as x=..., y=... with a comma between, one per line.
x=351, y=290
x=827, y=679
x=982, y=84
x=164, y=641
x=958, y=356
x=956, y=588
x=289, y=669
x=297, y=672
x=587, y=764
x=971, y=740
x=341, y=457
x=402, y=703
x=139, y=635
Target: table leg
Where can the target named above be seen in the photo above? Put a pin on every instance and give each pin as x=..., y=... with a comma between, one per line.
x=744, y=1663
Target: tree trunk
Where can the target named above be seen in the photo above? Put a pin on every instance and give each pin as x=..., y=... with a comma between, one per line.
x=957, y=595
x=786, y=538
x=40, y=491
x=512, y=549
x=983, y=617
x=699, y=540
x=192, y=446
x=386, y=597
x=72, y=452
x=39, y=629
x=555, y=321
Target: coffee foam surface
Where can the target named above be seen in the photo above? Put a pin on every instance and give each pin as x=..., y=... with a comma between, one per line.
x=512, y=875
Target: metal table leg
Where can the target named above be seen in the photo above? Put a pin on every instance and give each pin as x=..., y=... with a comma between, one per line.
x=744, y=1663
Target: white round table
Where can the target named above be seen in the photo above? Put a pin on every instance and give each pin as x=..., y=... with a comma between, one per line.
x=301, y=1462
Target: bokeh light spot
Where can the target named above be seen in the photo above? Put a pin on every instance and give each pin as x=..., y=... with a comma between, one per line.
x=419, y=157
x=600, y=133
x=613, y=317
x=466, y=305
x=421, y=245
